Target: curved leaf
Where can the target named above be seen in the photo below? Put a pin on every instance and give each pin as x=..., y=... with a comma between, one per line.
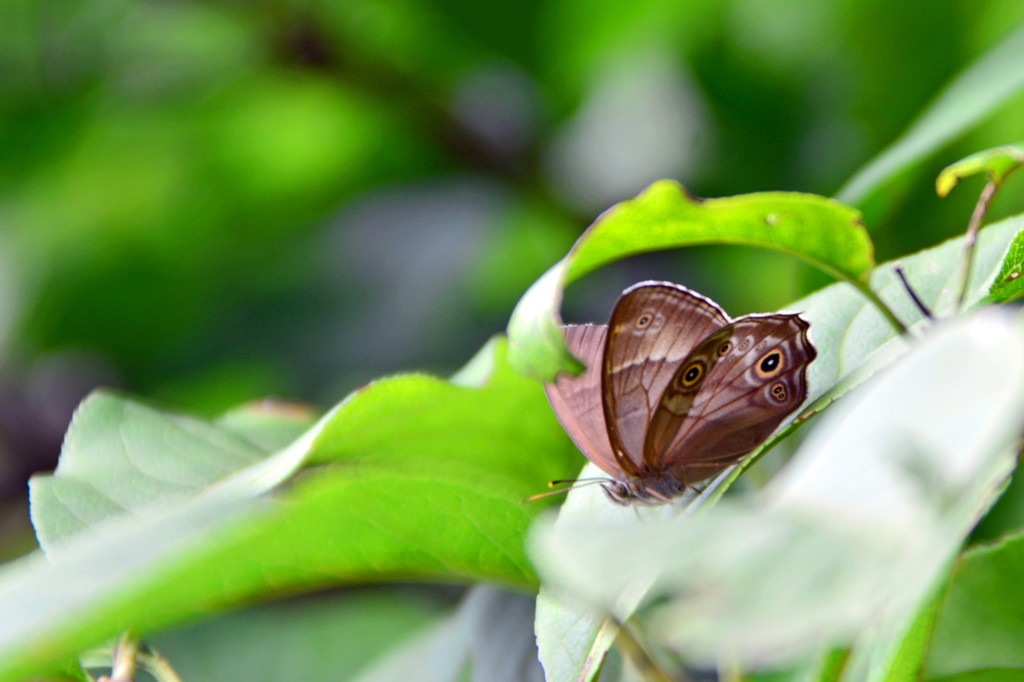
x=120, y=457
x=821, y=231
x=996, y=163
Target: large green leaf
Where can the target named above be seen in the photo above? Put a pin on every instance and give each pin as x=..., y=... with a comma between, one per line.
x=425, y=483
x=818, y=230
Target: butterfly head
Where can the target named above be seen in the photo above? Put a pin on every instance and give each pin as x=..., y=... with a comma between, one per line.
x=644, y=491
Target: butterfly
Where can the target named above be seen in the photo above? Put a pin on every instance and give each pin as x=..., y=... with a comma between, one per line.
x=675, y=391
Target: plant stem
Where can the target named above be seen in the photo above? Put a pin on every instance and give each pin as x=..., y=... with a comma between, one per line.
x=646, y=667
x=971, y=239
x=867, y=291
x=125, y=656
x=159, y=667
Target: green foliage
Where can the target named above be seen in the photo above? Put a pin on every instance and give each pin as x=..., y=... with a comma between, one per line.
x=979, y=626
x=267, y=155
x=427, y=482
x=1008, y=284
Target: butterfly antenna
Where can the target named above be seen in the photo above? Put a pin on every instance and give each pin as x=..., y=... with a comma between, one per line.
x=596, y=479
x=578, y=483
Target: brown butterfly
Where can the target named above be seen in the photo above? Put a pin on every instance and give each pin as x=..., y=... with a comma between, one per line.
x=675, y=391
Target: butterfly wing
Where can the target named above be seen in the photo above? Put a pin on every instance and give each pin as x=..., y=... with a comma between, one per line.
x=577, y=400
x=729, y=395
x=654, y=327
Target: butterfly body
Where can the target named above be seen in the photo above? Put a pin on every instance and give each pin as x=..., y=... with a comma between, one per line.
x=675, y=391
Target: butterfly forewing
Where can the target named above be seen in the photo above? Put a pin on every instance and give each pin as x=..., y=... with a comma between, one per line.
x=756, y=377
x=653, y=329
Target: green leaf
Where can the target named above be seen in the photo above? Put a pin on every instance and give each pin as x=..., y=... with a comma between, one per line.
x=1009, y=284
x=572, y=639
x=860, y=525
x=980, y=624
x=414, y=478
x=120, y=457
x=966, y=101
x=102, y=582
x=270, y=424
x=997, y=163
x=823, y=232
x=826, y=666
x=299, y=639
x=852, y=337
x=489, y=636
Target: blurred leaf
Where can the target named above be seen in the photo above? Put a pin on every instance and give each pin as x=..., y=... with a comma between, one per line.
x=573, y=636
x=573, y=640
x=827, y=666
x=97, y=586
x=974, y=94
x=819, y=230
x=420, y=479
x=437, y=655
x=860, y=524
x=162, y=49
x=536, y=235
x=980, y=624
x=580, y=37
x=280, y=138
x=490, y=637
x=1009, y=285
x=996, y=163
x=305, y=639
x=269, y=423
x=110, y=468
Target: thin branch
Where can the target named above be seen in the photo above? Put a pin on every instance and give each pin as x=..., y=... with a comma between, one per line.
x=159, y=667
x=125, y=657
x=868, y=292
x=971, y=239
x=646, y=666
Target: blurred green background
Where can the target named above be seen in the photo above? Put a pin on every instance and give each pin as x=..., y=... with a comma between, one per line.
x=209, y=202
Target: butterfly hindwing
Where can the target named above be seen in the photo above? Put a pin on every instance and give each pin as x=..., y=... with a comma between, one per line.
x=756, y=376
